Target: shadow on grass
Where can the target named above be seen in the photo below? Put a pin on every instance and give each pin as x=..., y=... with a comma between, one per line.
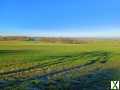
x=99, y=80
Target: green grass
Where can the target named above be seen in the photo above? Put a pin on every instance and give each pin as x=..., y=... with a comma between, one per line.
x=30, y=64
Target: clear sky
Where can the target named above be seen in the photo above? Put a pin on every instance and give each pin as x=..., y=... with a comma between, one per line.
x=60, y=18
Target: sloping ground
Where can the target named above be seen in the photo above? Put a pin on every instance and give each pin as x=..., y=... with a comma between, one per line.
x=63, y=73
x=41, y=66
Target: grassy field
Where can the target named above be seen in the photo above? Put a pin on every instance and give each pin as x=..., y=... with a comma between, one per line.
x=31, y=65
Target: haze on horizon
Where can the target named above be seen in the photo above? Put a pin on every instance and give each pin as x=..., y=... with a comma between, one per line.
x=60, y=18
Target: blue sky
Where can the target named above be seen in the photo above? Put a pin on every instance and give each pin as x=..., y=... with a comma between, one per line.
x=75, y=18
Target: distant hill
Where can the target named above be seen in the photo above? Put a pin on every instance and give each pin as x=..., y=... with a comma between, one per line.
x=17, y=38
x=62, y=40
x=44, y=39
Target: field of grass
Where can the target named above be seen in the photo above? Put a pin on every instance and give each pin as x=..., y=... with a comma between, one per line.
x=31, y=65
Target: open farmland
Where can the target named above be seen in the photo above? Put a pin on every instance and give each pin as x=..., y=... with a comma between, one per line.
x=32, y=65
